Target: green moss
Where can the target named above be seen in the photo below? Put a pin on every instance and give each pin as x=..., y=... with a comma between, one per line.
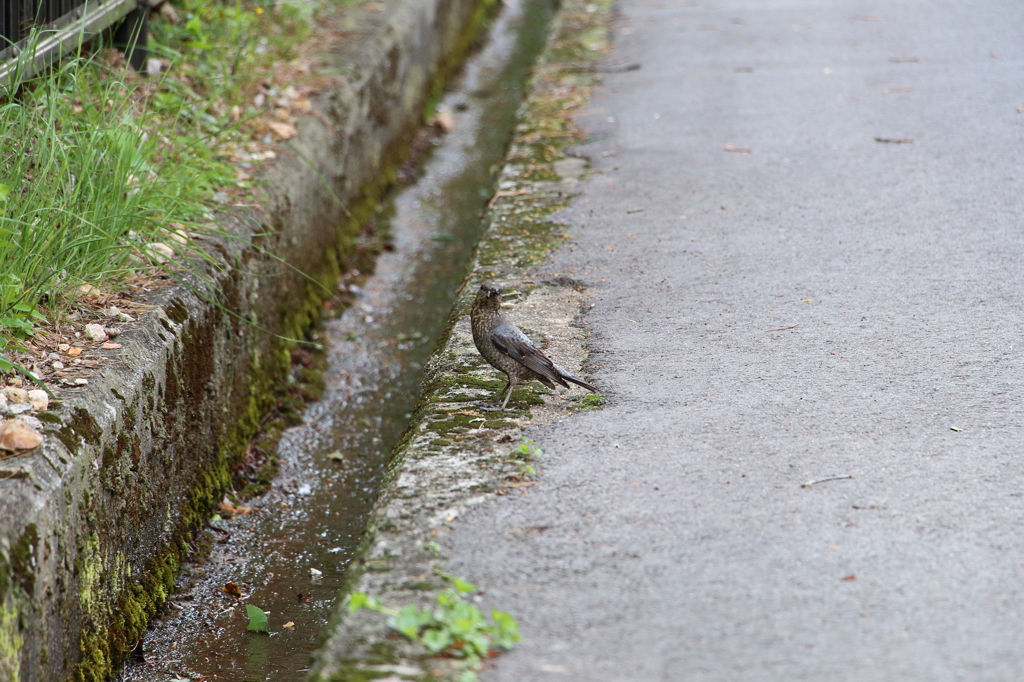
x=83, y=426
x=592, y=400
x=23, y=560
x=177, y=312
x=422, y=585
x=541, y=173
x=382, y=653
x=11, y=643
x=350, y=671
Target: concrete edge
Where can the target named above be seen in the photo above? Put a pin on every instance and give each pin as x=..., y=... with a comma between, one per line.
x=455, y=454
x=97, y=521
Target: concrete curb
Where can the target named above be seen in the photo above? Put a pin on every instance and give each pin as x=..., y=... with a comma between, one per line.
x=454, y=454
x=96, y=522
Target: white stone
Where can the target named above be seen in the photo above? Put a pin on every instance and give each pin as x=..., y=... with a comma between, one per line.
x=159, y=252
x=95, y=332
x=39, y=400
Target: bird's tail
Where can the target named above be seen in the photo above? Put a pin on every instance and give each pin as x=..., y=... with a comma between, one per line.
x=579, y=382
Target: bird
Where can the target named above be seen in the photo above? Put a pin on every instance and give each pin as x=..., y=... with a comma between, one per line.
x=508, y=349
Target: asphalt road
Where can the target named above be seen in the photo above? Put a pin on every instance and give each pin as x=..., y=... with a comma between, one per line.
x=670, y=537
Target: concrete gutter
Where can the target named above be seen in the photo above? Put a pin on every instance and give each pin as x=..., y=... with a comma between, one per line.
x=95, y=523
x=456, y=454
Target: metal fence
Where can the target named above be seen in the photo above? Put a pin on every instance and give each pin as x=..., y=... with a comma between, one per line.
x=34, y=33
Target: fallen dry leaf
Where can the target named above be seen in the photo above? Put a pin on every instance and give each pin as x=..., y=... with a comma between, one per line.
x=734, y=148
x=233, y=590
x=289, y=624
x=16, y=435
x=110, y=346
x=74, y=352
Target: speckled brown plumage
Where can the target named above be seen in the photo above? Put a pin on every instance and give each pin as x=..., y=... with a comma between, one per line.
x=509, y=350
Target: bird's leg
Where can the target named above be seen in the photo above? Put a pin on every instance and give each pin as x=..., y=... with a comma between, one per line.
x=497, y=398
x=512, y=381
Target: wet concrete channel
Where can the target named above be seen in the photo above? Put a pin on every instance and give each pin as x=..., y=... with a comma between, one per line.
x=331, y=466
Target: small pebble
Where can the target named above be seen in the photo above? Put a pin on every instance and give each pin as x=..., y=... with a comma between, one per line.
x=15, y=395
x=57, y=365
x=159, y=252
x=53, y=356
x=17, y=435
x=64, y=347
x=18, y=408
x=39, y=400
x=112, y=331
x=81, y=382
x=95, y=332
x=125, y=317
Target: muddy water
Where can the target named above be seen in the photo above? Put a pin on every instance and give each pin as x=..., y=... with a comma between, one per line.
x=332, y=465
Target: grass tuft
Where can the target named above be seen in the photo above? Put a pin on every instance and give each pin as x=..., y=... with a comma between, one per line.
x=106, y=176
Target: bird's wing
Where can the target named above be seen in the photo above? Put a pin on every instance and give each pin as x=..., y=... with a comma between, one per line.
x=509, y=340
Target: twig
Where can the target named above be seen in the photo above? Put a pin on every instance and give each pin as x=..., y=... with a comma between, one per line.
x=808, y=484
x=782, y=329
x=510, y=193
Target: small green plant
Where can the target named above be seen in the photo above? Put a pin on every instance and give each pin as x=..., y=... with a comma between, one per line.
x=454, y=627
x=526, y=453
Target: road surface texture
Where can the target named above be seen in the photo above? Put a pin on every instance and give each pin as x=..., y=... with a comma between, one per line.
x=827, y=304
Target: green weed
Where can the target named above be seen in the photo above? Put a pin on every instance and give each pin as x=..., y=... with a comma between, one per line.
x=454, y=627
x=105, y=176
x=526, y=453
